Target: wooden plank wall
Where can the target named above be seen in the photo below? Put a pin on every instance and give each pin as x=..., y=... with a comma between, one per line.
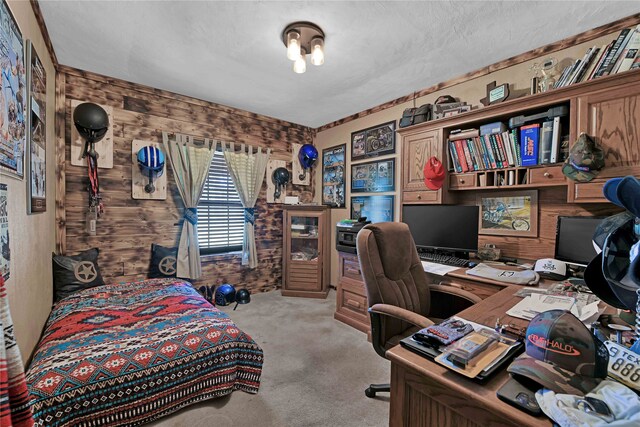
x=125, y=233
x=552, y=202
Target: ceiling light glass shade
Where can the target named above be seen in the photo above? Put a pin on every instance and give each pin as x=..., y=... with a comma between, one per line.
x=293, y=45
x=317, y=51
x=300, y=64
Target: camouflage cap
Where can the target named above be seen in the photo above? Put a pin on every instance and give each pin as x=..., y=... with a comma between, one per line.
x=561, y=354
x=585, y=160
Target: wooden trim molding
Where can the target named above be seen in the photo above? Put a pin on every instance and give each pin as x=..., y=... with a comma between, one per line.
x=514, y=60
x=230, y=111
x=43, y=29
x=60, y=116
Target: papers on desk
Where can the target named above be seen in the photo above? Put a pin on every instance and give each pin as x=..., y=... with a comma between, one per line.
x=439, y=269
x=536, y=303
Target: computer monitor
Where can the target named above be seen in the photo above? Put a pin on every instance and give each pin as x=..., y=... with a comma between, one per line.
x=444, y=228
x=574, y=239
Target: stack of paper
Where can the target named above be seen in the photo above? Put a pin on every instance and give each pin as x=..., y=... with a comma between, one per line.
x=530, y=306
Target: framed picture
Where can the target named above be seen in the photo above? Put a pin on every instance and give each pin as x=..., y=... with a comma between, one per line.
x=5, y=253
x=375, y=208
x=373, y=177
x=509, y=213
x=374, y=141
x=13, y=97
x=37, y=107
x=333, y=186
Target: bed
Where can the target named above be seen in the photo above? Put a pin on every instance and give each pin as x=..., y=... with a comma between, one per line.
x=129, y=353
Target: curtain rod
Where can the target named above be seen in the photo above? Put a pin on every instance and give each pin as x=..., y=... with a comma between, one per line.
x=220, y=144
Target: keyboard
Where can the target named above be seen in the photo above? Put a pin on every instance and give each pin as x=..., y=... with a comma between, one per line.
x=446, y=259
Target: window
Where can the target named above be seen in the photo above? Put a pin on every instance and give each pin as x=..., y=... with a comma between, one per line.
x=220, y=213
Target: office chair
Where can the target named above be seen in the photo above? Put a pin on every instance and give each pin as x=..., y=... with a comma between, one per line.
x=401, y=302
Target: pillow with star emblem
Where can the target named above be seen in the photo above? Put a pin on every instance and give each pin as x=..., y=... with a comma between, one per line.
x=163, y=262
x=75, y=273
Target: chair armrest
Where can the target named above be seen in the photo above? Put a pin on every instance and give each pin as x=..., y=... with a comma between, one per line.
x=401, y=313
x=471, y=297
x=447, y=301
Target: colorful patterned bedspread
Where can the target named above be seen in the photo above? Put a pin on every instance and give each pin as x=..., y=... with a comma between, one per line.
x=128, y=353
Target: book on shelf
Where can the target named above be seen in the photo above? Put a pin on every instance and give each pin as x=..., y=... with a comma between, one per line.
x=529, y=140
x=463, y=134
x=454, y=158
x=611, y=57
x=489, y=150
x=597, y=60
x=630, y=53
x=588, y=59
x=513, y=136
x=546, y=134
x=496, y=151
x=461, y=156
x=636, y=63
x=555, y=139
x=467, y=156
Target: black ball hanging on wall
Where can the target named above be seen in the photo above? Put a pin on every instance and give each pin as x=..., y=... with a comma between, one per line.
x=280, y=178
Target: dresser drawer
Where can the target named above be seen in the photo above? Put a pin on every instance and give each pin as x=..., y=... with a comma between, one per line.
x=589, y=192
x=427, y=196
x=352, y=301
x=550, y=175
x=464, y=180
x=350, y=267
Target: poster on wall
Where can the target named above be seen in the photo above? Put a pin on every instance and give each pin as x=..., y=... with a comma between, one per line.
x=374, y=141
x=333, y=160
x=12, y=95
x=5, y=253
x=375, y=208
x=37, y=174
x=373, y=177
x=509, y=213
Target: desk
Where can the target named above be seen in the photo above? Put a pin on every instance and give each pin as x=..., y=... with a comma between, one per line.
x=424, y=393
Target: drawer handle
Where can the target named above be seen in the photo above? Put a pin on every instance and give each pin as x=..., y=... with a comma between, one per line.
x=547, y=174
x=353, y=303
x=461, y=181
x=419, y=197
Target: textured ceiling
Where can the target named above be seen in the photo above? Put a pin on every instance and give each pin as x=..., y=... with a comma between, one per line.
x=231, y=52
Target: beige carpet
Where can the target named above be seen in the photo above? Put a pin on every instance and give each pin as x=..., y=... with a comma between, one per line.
x=315, y=371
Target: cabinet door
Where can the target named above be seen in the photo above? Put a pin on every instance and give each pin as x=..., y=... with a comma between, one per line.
x=417, y=148
x=612, y=118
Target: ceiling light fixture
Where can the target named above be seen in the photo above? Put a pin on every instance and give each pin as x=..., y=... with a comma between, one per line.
x=301, y=38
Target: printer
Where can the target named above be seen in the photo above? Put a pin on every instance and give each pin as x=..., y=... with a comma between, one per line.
x=346, y=232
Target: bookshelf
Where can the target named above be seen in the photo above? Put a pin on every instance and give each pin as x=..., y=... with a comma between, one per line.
x=606, y=108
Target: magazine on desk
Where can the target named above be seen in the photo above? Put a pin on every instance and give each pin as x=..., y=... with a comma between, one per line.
x=473, y=350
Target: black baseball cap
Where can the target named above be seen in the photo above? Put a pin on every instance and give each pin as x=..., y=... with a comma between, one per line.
x=561, y=354
x=609, y=225
x=616, y=261
x=596, y=281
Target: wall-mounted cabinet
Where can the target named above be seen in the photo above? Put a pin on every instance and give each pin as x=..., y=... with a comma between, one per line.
x=607, y=109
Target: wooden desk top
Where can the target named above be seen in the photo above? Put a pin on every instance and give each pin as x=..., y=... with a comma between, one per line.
x=457, y=389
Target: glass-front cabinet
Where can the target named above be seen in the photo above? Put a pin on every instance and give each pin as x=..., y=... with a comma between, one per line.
x=306, y=250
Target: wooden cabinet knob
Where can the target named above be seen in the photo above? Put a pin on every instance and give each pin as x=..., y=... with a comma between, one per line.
x=546, y=174
x=419, y=197
x=461, y=181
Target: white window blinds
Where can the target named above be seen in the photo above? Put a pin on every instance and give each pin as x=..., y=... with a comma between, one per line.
x=220, y=213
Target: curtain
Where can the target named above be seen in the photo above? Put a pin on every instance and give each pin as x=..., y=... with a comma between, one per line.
x=15, y=410
x=190, y=166
x=247, y=170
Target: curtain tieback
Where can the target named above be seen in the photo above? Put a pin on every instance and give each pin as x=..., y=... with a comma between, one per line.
x=191, y=215
x=249, y=215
